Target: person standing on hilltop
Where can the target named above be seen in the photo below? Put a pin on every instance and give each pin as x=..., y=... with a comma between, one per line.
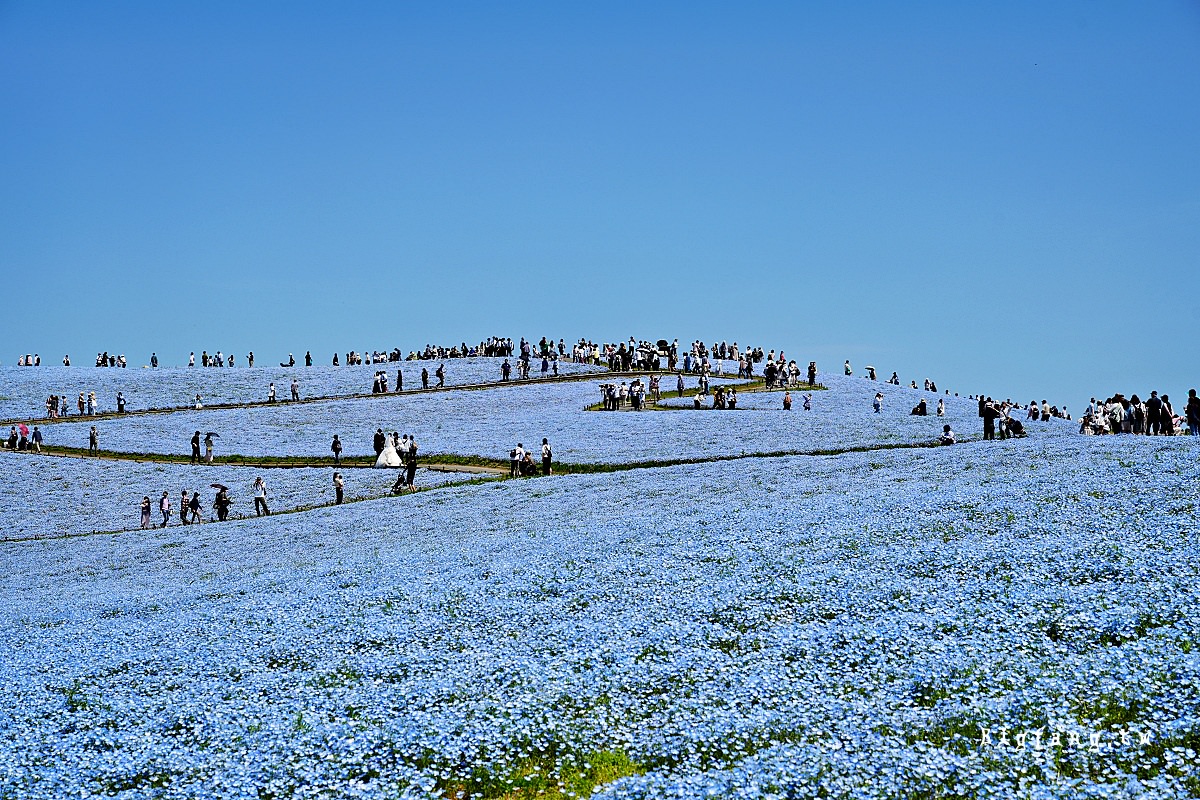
x=849, y=371
x=441, y=375
x=1191, y=413
x=308, y=358
x=295, y=389
x=424, y=378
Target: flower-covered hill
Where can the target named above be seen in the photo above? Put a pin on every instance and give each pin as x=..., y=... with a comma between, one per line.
x=25, y=389
x=490, y=422
x=845, y=626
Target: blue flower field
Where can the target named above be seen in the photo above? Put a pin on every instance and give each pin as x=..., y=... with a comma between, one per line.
x=1009, y=619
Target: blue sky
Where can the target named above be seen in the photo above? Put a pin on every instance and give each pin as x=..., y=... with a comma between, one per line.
x=1004, y=197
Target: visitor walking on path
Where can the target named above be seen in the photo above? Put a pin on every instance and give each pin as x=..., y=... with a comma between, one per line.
x=271, y=394
x=37, y=439
x=194, y=508
x=164, y=505
x=260, y=498
x=295, y=389
x=547, y=456
x=441, y=375
x=221, y=503
x=196, y=447
x=93, y=442
x=145, y=512
x=339, y=487
x=336, y=447
x=183, y=508
x=208, y=448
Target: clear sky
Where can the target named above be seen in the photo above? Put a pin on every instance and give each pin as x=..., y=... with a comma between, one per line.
x=1003, y=196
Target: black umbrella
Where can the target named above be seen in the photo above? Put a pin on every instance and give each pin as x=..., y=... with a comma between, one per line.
x=214, y=435
x=218, y=486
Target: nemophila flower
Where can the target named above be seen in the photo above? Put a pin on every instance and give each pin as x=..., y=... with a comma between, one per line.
x=768, y=627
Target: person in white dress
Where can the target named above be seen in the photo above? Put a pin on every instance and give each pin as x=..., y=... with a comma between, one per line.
x=389, y=458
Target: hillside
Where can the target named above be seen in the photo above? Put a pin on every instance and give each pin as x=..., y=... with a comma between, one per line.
x=789, y=604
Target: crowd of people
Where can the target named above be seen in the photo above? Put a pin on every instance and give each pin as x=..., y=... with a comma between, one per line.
x=87, y=405
x=1154, y=416
x=190, y=506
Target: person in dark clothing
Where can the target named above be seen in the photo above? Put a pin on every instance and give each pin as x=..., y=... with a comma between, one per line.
x=441, y=375
x=990, y=414
x=336, y=447
x=1192, y=413
x=424, y=378
x=547, y=456
x=399, y=381
x=196, y=447
x=379, y=441
x=221, y=503
x=308, y=359
x=411, y=465
x=921, y=410
x=1153, y=412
